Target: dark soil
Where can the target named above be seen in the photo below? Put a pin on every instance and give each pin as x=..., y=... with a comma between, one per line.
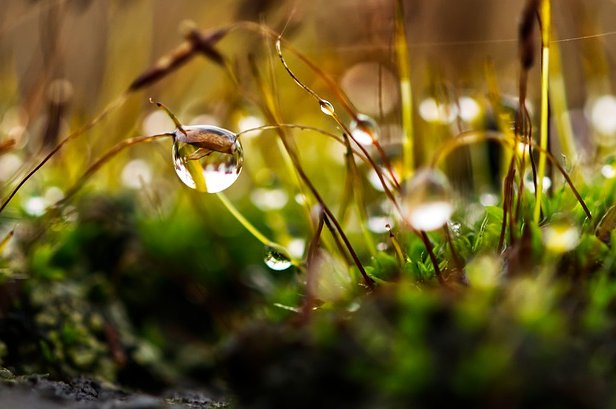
x=86, y=393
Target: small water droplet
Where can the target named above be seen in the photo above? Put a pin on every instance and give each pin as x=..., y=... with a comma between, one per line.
x=326, y=107
x=379, y=224
x=364, y=129
x=455, y=228
x=560, y=236
x=379, y=217
x=277, y=258
x=207, y=158
x=426, y=201
x=608, y=169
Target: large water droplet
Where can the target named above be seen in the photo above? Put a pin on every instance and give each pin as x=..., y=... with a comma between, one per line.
x=277, y=258
x=207, y=158
x=426, y=200
x=364, y=129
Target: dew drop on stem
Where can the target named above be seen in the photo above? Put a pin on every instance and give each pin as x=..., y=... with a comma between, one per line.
x=277, y=258
x=326, y=107
x=207, y=158
x=426, y=200
x=364, y=129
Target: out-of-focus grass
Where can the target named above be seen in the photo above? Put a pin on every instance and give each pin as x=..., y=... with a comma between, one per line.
x=140, y=279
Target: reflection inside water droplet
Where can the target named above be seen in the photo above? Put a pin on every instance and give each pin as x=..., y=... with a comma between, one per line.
x=277, y=258
x=426, y=201
x=364, y=129
x=207, y=158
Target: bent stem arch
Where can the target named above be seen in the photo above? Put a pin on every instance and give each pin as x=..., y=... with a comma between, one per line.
x=474, y=137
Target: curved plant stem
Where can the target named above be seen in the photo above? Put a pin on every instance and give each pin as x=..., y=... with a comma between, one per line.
x=112, y=106
x=106, y=157
x=119, y=147
x=473, y=137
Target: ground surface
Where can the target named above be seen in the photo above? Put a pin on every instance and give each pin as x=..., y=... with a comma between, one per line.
x=86, y=393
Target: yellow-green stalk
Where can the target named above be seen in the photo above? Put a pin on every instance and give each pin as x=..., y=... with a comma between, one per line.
x=406, y=94
x=546, y=23
x=244, y=222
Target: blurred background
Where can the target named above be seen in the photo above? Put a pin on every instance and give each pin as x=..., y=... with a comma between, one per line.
x=181, y=266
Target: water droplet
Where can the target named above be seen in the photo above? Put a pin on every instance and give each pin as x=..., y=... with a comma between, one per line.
x=426, y=201
x=277, y=258
x=608, y=170
x=326, y=107
x=364, y=129
x=455, y=228
x=560, y=236
x=207, y=158
x=379, y=224
x=379, y=217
